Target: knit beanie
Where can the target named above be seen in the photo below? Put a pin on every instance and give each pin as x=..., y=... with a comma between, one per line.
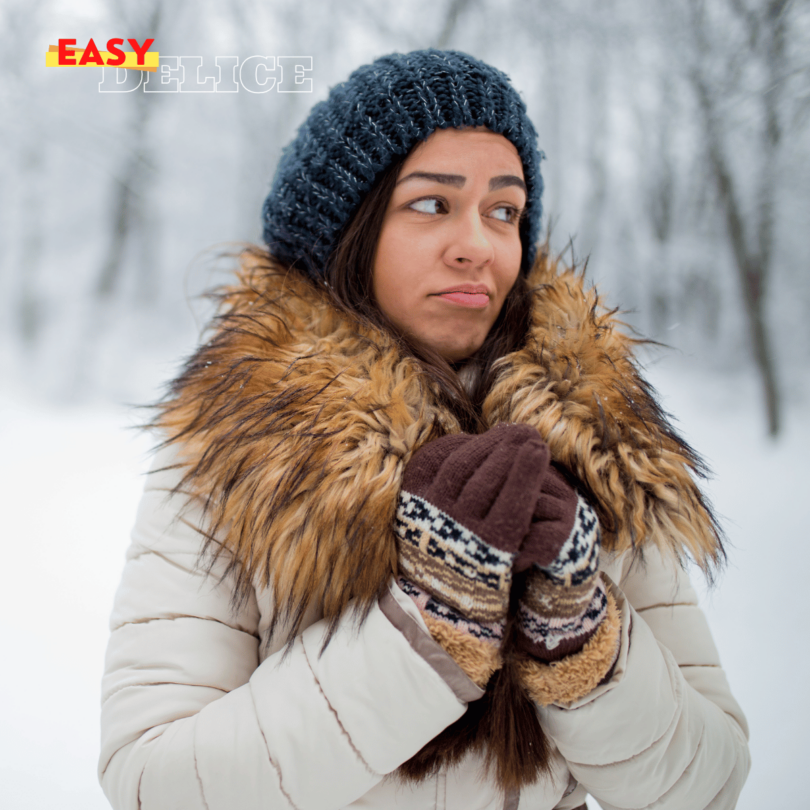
x=383, y=110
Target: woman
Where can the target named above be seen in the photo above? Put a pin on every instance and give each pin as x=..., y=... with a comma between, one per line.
x=366, y=569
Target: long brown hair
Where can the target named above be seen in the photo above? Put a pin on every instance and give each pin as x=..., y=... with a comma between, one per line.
x=349, y=275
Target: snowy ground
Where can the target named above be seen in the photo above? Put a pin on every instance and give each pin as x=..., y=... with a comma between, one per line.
x=70, y=480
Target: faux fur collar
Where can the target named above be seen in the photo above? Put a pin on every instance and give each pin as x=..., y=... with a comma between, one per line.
x=294, y=423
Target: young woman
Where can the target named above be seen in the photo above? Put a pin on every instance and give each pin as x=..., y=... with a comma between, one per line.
x=414, y=536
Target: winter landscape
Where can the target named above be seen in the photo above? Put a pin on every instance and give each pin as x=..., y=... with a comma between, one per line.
x=71, y=478
x=678, y=147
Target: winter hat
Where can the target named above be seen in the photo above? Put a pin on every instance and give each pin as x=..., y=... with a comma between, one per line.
x=381, y=111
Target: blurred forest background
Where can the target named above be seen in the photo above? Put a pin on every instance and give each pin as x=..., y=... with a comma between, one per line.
x=677, y=138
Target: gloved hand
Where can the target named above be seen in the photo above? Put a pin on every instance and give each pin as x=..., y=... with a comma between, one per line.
x=465, y=507
x=564, y=599
x=566, y=621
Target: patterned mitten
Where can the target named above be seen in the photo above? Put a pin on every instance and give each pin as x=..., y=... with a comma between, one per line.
x=567, y=622
x=465, y=506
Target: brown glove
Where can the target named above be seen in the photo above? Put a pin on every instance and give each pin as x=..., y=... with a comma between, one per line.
x=466, y=505
x=564, y=606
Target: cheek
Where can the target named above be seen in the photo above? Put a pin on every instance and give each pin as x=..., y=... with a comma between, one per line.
x=386, y=293
x=389, y=282
x=509, y=266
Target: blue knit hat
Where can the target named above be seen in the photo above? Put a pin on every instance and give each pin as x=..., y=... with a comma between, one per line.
x=383, y=110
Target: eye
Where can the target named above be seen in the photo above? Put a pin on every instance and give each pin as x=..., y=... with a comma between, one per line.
x=430, y=205
x=505, y=213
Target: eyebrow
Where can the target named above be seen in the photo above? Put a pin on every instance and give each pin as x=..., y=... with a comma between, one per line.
x=447, y=179
x=458, y=180
x=504, y=180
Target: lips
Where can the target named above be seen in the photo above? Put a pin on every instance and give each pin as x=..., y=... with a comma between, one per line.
x=474, y=296
x=473, y=300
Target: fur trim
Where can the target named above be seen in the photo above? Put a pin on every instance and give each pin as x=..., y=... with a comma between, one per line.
x=293, y=425
x=576, y=675
x=576, y=381
x=479, y=659
x=294, y=421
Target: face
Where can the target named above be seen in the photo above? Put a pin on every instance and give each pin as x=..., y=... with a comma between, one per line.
x=449, y=250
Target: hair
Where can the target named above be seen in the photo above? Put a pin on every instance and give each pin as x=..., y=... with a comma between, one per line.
x=349, y=278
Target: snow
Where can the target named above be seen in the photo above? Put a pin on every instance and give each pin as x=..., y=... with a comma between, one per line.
x=756, y=611
x=71, y=479
x=70, y=483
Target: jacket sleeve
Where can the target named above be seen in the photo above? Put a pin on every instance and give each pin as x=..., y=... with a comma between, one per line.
x=665, y=731
x=192, y=719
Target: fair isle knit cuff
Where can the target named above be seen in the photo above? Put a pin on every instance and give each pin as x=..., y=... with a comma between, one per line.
x=571, y=678
x=578, y=559
x=554, y=621
x=490, y=632
x=450, y=563
x=474, y=647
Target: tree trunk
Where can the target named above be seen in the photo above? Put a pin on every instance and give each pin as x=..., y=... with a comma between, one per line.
x=131, y=184
x=751, y=267
x=30, y=305
x=751, y=242
x=128, y=198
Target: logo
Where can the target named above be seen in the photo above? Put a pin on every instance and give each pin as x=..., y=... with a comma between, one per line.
x=139, y=58
x=182, y=74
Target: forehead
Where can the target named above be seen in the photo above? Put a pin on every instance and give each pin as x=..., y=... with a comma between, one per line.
x=453, y=149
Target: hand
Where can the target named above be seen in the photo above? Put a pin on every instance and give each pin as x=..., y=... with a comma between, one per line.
x=489, y=484
x=564, y=599
x=466, y=505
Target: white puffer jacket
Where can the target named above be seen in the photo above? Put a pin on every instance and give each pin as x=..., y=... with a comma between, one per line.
x=199, y=713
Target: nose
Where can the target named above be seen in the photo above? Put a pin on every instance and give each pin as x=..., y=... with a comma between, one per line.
x=470, y=244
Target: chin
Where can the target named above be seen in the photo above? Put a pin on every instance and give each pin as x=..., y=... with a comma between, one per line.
x=453, y=344
x=455, y=353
